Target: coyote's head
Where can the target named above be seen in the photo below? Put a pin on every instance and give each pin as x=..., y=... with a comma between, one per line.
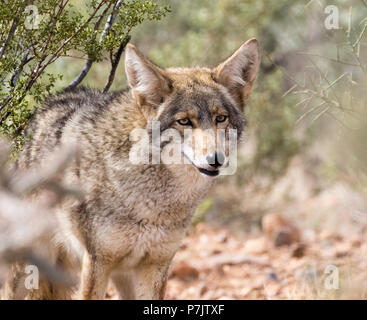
x=200, y=106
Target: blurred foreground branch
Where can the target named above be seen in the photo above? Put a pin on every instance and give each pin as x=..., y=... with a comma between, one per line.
x=23, y=222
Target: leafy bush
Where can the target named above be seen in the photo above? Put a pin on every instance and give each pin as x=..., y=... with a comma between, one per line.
x=36, y=34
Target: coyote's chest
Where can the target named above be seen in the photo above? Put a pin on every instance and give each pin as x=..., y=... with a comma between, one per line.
x=156, y=225
x=154, y=243
x=144, y=240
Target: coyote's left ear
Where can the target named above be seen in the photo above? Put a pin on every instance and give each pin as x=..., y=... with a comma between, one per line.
x=238, y=73
x=149, y=83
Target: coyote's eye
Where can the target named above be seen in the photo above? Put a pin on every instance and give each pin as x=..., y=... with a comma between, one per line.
x=184, y=122
x=221, y=118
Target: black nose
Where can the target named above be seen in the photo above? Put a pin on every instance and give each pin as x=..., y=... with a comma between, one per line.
x=215, y=159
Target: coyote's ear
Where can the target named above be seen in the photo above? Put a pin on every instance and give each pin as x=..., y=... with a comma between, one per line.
x=239, y=71
x=149, y=83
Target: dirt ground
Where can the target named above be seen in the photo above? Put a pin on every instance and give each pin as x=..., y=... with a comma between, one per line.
x=215, y=264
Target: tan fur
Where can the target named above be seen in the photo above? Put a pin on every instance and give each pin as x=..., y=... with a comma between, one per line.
x=129, y=225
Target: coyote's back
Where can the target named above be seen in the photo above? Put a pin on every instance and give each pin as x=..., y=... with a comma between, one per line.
x=47, y=126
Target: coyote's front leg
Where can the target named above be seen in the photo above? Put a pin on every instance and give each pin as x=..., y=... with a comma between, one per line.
x=151, y=280
x=94, y=278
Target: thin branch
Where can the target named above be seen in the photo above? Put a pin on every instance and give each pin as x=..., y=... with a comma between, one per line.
x=80, y=77
x=309, y=111
x=74, y=57
x=25, y=61
x=52, y=272
x=14, y=81
x=330, y=85
x=39, y=70
x=52, y=29
x=360, y=35
x=27, y=182
x=330, y=59
x=10, y=35
x=111, y=19
x=115, y=62
x=18, y=240
x=4, y=117
x=283, y=70
x=320, y=114
x=66, y=42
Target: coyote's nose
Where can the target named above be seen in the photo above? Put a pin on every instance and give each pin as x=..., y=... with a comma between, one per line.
x=215, y=159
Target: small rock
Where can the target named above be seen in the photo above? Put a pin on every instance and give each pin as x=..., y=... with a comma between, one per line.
x=342, y=249
x=356, y=242
x=328, y=235
x=280, y=230
x=202, y=289
x=299, y=250
x=271, y=276
x=282, y=237
x=221, y=238
x=216, y=251
x=256, y=246
x=185, y=272
x=341, y=254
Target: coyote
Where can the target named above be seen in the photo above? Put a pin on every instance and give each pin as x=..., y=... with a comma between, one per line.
x=129, y=223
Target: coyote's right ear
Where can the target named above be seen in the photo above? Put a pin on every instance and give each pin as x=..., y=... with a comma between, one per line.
x=149, y=83
x=238, y=73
